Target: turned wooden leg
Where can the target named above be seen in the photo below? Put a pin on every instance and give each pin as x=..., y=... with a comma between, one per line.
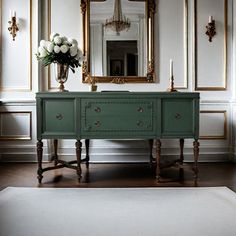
x=158, y=159
x=196, y=155
x=40, y=157
x=150, y=148
x=181, y=156
x=78, y=146
x=87, y=152
x=55, y=144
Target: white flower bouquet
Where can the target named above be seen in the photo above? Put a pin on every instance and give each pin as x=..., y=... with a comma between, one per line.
x=61, y=50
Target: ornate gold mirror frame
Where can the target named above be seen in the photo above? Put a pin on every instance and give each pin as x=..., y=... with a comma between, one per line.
x=86, y=70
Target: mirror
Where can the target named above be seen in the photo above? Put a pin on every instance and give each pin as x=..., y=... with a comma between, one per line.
x=118, y=41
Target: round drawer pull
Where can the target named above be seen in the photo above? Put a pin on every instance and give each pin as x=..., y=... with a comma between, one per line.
x=139, y=123
x=140, y=109
x=97, y=123
x=59, y=116
x=177, y=116
x=97, y=109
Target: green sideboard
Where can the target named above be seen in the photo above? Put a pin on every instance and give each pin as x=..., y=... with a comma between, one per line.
x=116, y=115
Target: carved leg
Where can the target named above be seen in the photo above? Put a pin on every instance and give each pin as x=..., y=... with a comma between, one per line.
x=78, y=146
x=87, y=152
x=196, y=155
x=55, y=144
x=181, y=157
x=40, y=157
x=150, y=148
x=158, y=159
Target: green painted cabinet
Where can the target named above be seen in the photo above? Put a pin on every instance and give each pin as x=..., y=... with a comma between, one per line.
x=117, y=115
x=82, y=115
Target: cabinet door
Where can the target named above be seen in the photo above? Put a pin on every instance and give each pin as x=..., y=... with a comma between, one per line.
x=178, y=118
x=58, y=118
x=116, y=118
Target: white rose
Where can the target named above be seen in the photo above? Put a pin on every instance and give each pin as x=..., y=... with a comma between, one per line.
x=53, y=35
x=73, y=51
x=43, y=43
x=57, y=49
x=70, y=40
x=57, y=40
x=66, y=43
x=50, y=47
x=79, y=53
x=64, y=38
x=64, y=48
x=42, y=52
x=75, y=42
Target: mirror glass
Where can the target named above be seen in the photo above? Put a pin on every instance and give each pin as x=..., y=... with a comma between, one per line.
x=118, y=40
x=118, y=53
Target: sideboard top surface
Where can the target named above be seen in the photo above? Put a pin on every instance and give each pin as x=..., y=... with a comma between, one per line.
x=119, y=94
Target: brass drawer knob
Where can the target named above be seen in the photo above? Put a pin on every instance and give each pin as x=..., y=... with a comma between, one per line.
x=177, y=116
x=97, y=109
x=59, y=116
x=140, y=109
x=97, y=123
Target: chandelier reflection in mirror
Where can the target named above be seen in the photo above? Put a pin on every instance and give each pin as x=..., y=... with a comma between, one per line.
x=118, y=22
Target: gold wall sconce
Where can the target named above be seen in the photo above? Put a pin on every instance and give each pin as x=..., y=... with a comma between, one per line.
x=13, y=28
x=211, y=29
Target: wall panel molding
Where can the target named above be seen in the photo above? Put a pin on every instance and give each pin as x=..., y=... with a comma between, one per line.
x=14, y=130
x=223, y=133
x=21, y=23
x=172, y=38
x=200, y=45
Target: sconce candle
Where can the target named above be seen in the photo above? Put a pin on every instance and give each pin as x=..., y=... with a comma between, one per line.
x=210, y=19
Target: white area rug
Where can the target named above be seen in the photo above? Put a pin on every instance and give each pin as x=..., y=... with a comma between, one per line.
x=118, y=212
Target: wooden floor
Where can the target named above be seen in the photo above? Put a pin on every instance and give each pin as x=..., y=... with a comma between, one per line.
x=117, y=175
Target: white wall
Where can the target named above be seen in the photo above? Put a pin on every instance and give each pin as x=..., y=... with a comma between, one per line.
x=198, y=65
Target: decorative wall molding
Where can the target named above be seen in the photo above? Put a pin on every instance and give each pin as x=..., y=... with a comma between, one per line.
x=220, y=136
x=171, y=37
x=186, y=57
x=6, y=134
x=15, y=89
x=198, y=86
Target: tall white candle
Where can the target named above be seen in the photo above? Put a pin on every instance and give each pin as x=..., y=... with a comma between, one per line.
x=14, y=13
x=149, y=39
x=171, y=68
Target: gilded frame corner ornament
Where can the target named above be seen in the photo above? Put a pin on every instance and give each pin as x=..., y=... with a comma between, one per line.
x=150, y=76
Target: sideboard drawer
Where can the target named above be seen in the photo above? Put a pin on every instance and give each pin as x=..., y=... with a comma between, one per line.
x=114, y=116
x=178, y=117
x=59, y=117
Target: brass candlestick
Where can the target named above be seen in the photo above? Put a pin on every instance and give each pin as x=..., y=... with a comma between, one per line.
x=171, y=88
